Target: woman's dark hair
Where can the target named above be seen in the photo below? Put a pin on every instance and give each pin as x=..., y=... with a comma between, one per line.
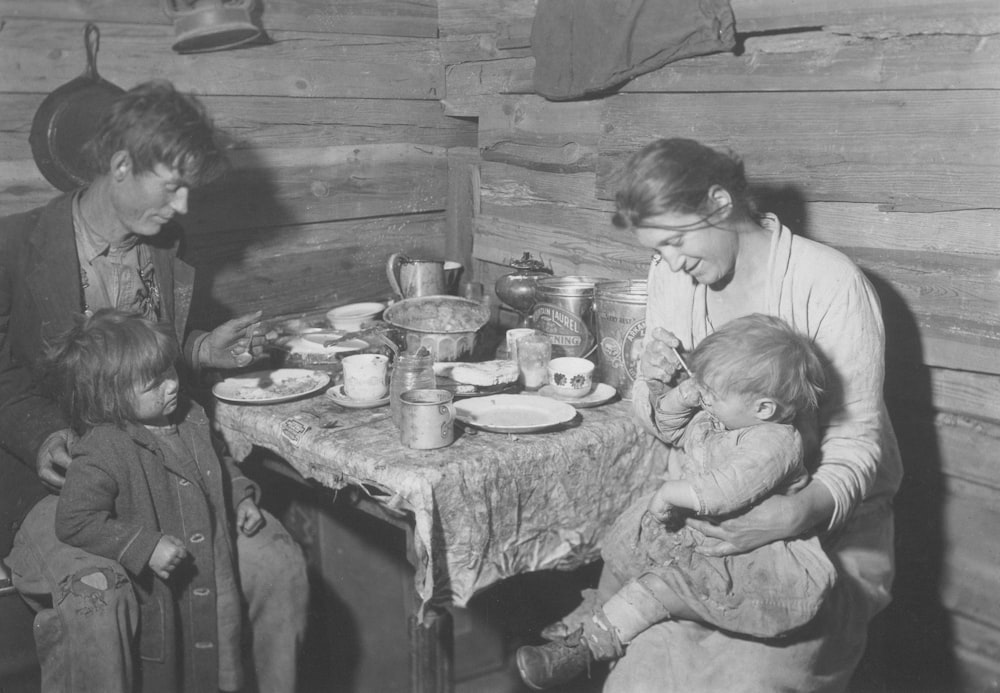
x=93, y=370
x=676, y=175
x=156, y=124
x=762, y=356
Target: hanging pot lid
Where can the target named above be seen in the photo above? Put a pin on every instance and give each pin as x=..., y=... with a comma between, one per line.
x=68, y=118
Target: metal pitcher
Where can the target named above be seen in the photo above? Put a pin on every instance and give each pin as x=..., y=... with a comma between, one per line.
x=410, y=278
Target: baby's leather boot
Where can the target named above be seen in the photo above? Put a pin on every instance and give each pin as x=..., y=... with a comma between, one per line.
x=554, y=663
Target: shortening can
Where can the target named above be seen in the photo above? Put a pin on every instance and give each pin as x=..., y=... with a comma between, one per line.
x=620, y=307
x=564, y=310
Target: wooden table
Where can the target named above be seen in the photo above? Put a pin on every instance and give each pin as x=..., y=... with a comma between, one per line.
x=488, y=507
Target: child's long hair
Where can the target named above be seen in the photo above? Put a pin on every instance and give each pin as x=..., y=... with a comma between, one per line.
x=762, y=356
x=96, y=367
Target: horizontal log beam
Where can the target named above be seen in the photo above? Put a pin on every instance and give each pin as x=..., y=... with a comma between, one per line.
x=39, y=56
x=948, y=391
x=280, y=187
x=786, y=62
x=822, y=146
x=286, y=186
x=927, y=297
x=813, y=60
x=263, y=122
x=915, y=16
x=416, y=18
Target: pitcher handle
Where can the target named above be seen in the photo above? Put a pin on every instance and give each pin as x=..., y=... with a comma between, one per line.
x=392, y=271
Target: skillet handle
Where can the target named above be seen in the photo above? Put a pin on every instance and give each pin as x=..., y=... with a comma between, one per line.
x=92, y=42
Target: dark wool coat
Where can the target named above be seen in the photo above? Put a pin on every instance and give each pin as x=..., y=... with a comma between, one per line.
x=122, y=494
x=40, y=292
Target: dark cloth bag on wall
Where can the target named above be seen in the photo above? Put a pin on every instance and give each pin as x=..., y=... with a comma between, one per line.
x=585, y=47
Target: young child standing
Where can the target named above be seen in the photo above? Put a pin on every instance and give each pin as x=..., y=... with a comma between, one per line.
x=146, y=488
x=752, y=379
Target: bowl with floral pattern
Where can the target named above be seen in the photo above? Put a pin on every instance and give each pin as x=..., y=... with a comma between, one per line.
x=571, y=376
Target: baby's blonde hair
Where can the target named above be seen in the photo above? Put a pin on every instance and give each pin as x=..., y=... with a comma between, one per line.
x=762, y=356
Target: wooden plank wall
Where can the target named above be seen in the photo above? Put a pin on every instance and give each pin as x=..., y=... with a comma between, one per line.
x=873, y=126
x=340, y=147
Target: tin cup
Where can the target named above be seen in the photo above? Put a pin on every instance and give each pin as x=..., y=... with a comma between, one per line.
x=427, y=419
x=365, y=376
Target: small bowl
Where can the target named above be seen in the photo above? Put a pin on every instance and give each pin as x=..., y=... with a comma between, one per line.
x=571, y=376
x=354, y=316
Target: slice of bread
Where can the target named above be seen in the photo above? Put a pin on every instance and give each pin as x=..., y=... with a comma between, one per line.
x=483, y=374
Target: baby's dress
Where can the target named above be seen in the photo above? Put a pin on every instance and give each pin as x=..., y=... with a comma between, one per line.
x=765, y=592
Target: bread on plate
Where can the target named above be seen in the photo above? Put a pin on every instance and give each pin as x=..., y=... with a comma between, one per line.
x=482, y=374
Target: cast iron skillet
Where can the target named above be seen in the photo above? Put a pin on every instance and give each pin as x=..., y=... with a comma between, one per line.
x=68, y=117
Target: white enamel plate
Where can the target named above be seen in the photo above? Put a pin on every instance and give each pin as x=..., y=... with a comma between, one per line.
x=514, y=413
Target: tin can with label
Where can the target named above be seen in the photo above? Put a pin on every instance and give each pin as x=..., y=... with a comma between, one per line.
x=564, y=310
x=620, y=307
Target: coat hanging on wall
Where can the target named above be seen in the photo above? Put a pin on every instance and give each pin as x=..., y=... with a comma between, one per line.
x=586, y=47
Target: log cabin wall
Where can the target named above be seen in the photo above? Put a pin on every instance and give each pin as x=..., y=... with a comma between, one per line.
x=366, y=127
x=340, y=147
x=871, y=126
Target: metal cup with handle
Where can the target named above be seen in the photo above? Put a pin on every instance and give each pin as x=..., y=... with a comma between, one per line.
x=427, y=419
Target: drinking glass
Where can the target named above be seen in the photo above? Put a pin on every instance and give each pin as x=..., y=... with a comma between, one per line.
x=534, y=352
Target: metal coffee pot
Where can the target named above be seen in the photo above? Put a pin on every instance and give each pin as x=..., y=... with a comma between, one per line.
x=517, y=289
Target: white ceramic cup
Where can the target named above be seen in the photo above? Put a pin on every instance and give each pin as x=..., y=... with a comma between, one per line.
x=365, y=376
x=571, y=376
x=427, y=419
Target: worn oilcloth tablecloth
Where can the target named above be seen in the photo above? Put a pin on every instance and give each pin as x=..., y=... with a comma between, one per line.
x=487, y=507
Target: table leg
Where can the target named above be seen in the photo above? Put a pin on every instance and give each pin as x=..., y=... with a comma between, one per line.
x=431, y=645
x=368, y=636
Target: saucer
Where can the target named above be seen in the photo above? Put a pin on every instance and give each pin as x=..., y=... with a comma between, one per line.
x=337, y=394
x=601, y=394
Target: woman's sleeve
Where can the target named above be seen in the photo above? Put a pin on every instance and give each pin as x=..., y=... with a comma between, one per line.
x=851, y=336
x=86, y=518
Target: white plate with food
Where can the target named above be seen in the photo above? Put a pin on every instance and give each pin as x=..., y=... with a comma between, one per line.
x=601, y=394
x=271, y=387
x=337, y=394
x=514, y=413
